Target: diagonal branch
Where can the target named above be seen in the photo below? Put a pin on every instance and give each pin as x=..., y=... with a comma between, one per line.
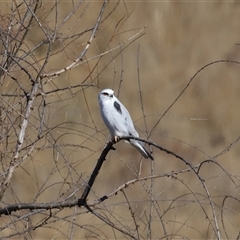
x=102, y=158
x=21, y=135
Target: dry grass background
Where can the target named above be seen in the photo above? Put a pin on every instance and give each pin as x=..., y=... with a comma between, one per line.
x=178, y=40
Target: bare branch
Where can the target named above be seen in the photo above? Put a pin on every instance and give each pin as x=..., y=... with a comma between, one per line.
x=21, y=135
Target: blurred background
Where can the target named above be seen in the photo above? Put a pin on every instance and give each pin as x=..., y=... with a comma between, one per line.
x=148, y=52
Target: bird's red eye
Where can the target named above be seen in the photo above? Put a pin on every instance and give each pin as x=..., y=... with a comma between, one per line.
x=104, y=93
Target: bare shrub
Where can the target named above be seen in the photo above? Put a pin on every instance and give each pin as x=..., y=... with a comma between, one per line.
x=54, y=59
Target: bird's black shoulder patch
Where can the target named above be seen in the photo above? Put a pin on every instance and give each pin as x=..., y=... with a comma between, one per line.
x=117, y=106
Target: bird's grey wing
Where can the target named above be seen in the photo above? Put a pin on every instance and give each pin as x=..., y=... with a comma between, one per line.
x=123, y=121
x=130, y=129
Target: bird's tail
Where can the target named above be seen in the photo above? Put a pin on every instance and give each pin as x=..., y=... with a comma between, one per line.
x=140, y=147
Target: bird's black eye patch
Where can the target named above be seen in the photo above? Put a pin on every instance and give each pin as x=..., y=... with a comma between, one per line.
x=117, y=107
x=105, y=94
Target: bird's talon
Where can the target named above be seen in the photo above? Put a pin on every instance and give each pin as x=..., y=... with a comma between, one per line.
x=116, y=139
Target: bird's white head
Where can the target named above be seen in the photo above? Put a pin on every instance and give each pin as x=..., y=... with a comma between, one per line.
x=106, y=94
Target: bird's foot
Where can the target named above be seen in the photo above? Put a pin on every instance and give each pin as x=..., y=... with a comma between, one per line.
x=115, y=139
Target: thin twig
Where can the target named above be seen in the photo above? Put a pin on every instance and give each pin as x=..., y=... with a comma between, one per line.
x=186, y=87
x=79, y=58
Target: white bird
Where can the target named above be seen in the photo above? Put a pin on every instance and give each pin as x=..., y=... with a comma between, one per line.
x=118, y=120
